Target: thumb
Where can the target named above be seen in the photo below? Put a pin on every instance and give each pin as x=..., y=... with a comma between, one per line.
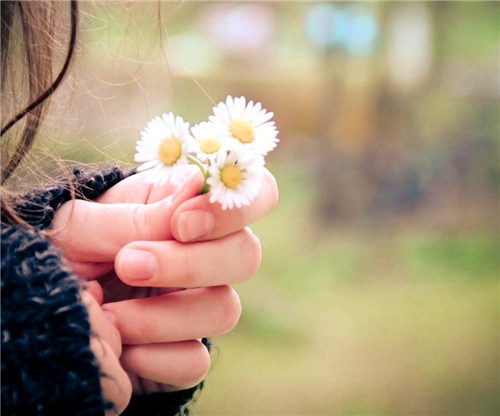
x=95, y=232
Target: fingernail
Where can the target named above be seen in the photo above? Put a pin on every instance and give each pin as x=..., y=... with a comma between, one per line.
x=137, y=264
x=195, y=224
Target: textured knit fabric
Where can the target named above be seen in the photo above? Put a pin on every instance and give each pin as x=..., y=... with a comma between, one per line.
x=38, y=207
x=47, y=365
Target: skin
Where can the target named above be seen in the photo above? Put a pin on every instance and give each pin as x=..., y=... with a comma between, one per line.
x=107, y=348
x=159, y=263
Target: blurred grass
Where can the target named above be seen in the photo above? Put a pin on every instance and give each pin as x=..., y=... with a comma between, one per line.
x=360, y=322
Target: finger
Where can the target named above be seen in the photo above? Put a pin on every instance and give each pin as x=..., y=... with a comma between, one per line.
x=115, y=382
x=95, y=289
x=177, y=316
x=175, y=366
x=102, y=323
x=106, y=345
x=89, y=270
x=140, y=188
x=197, y=219
x=227, y=260
x=94, y=232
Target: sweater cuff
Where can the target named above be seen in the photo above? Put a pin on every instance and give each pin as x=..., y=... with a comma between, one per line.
x=38, y=207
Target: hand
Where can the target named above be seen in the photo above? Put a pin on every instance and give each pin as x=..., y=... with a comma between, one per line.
x=158, y=326
x=91, y=233
x=106, y=345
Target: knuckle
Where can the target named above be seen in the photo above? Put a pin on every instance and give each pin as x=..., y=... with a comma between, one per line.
x=115, y=341
x=273, y=191
x=230, y=311
x=198, y=365
x=139, y=223
x=253, y=252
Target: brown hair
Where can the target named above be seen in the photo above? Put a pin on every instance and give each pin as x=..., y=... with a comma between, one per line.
x=27, y=52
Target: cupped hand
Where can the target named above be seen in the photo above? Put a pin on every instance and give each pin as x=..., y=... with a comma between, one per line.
x=91, y=234
x=144, y=243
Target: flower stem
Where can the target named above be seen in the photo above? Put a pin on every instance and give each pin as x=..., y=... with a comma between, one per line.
x=205, y=188
x=196, y=162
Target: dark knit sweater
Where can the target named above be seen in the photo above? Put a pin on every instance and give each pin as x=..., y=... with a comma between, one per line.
x=47, y=365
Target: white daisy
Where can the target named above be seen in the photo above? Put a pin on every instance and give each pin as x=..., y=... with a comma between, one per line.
x=163, y=147
x=247, y=124
x=235, y=178
x=209, y=139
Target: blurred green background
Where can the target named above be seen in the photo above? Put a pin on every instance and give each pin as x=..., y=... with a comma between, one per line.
x=378, y=293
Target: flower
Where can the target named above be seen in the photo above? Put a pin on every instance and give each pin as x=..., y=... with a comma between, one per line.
x=247, y=124
x=235, y=178
x=229, y=149
x=208, y=139
x=164, y=145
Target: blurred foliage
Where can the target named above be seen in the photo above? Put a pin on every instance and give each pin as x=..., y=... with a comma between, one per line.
x=386, y=322
x=378, y=293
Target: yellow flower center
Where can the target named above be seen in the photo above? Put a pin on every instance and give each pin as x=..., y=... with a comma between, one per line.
x=209, y=145
x=231, y=176
x=242, y=130
x=169, y=151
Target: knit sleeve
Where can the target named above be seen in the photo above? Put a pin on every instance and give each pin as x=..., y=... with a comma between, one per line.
x=38, y=206
x=47, y=365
